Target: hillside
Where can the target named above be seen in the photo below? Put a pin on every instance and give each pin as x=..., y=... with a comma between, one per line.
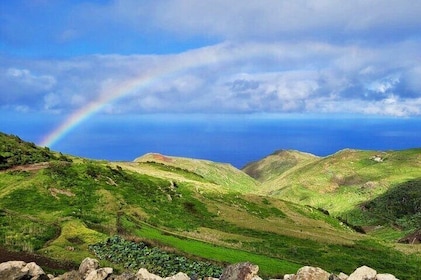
x=221, y=174
x=277, y=163
x=67, y=207
x=16, y=152
x=359, y=186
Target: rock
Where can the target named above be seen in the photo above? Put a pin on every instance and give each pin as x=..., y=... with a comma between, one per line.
x=99, y=274
x=239, y=271
x=12, y=270
x=343, y=276
x=340, y=276
x=71, y=275
x=288, y=276
x=178, y=276
x=88, y=265
x=311, y=273
x=144, y=274
x=124, y=276
x=385, y=276
x=21, y=270
x=35, y=271
x=363, y=273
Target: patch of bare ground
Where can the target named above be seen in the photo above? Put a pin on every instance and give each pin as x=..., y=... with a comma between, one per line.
x=28, y=167
x=413, y=238
x=45, y=262
x=160, y=157
x=54, y=192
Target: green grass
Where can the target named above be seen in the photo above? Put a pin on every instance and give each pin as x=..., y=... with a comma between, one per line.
x=21, y=233
x=342, y=182
x=224, y=175
x=268, y=265
x=73, y=241
x=208, y=211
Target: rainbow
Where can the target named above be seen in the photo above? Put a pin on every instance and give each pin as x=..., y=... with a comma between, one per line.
x=91, y=108
x=110, y=95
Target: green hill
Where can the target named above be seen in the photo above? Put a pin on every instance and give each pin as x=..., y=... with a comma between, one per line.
x=357, y=186
x=68, y=208
x=15, y=152
x=276, y=164
x=222, y=174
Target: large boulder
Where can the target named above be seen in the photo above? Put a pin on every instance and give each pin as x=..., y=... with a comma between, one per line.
x=99, y=274
x=385, y=276
x=311, y=273
x=144, y=274
x=88, y=265
x=12, y=270
x=35, y=271
x=363, y=273
x=178, y=276
x=20, y=270
x=240, y=271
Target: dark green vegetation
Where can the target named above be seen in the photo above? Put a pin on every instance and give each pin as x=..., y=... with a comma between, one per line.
x=193, y=211
x=14, y=151
x=134, y=255
x=399, y=207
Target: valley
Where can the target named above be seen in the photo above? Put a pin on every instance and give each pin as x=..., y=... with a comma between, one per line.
x=287, y=210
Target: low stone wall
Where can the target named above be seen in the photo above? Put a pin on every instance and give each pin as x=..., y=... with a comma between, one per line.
x=89, y=269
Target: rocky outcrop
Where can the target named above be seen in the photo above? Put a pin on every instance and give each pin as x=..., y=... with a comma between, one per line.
x=20, y=270
x=89, y=269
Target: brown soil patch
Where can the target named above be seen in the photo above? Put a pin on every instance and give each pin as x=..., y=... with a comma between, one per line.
x=29, y=167
x=161, y=158
x=413, y=238
x=46, y=263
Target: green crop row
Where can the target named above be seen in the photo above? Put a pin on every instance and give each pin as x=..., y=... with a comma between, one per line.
x=138, y=255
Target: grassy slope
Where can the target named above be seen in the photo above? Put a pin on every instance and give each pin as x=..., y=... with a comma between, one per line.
x=347, y=180
x=223, y=175
x=276, y=164
x=62, y=209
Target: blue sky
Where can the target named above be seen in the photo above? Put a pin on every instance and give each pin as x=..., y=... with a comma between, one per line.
x=243, y=69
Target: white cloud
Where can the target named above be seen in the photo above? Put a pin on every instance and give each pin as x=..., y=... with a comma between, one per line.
x=385, y=84
x=24, y=77
x=51, y=100
x=230, y=77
